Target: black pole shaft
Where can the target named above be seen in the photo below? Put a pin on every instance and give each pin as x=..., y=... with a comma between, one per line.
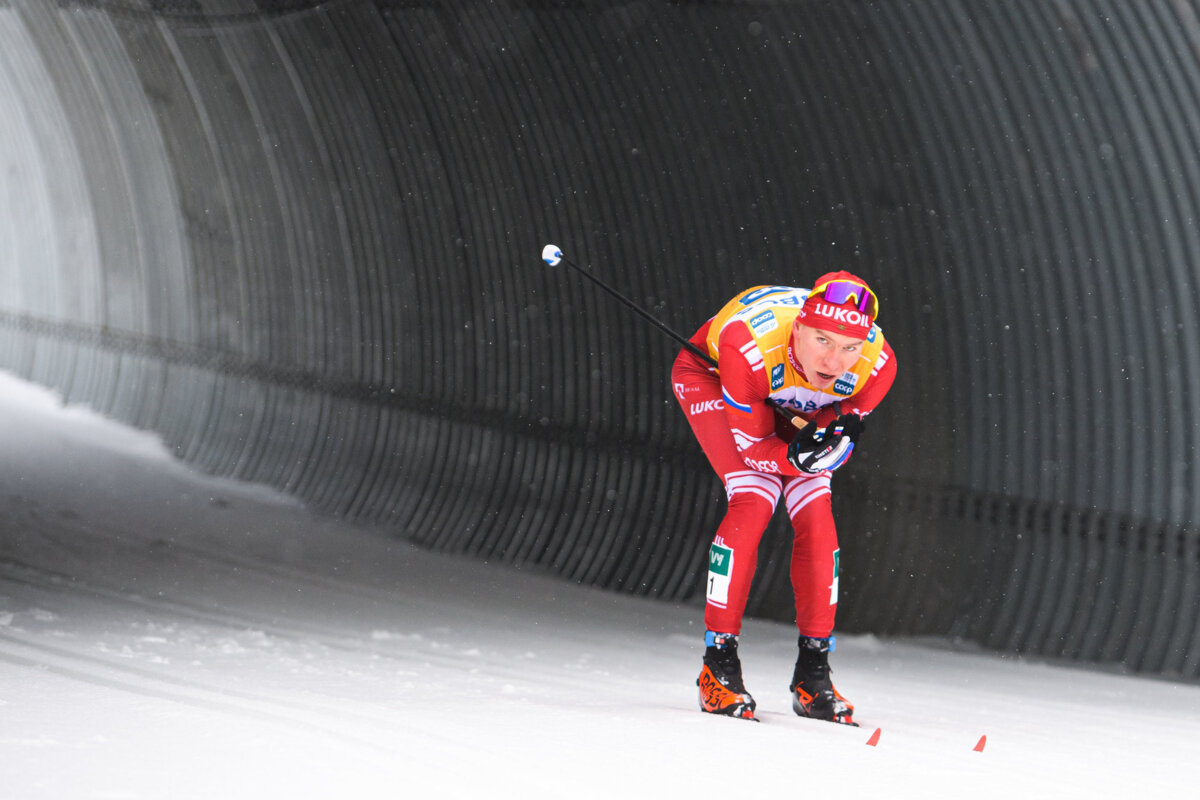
x=791, y=416
x=635, y=307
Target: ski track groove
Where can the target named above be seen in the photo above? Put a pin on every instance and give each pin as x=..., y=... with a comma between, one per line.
x=96, y=671
x=215, y=615
x=56, y=582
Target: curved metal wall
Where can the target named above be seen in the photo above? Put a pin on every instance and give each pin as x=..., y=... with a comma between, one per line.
x=1065, y=138
x=300, y=240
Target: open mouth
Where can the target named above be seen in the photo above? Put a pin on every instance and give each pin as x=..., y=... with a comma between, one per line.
x=824, y=378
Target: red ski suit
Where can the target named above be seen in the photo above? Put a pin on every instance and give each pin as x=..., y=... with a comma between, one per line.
x=746, y=443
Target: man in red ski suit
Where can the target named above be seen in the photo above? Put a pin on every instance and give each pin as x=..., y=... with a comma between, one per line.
x=818, y=354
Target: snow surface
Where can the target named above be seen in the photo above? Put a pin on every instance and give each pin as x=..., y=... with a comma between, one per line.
x=169, y=635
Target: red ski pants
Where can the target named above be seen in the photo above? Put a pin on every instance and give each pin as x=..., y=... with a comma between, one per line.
x=752, y=499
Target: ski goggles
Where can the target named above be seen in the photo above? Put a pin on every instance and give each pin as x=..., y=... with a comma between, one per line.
x=842, y=291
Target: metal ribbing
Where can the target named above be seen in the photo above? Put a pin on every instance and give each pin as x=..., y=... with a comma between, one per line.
x=1065, y=138
x=300, y=241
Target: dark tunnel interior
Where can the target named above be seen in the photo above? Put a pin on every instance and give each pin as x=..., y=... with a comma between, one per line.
x=300, y=241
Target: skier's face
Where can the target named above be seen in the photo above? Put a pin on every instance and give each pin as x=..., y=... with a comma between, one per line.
x=824, y=355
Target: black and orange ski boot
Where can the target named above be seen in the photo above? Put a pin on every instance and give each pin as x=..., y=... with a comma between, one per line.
x=812, y=690
x=721, y=688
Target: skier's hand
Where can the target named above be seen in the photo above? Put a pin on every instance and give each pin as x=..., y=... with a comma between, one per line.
x=817, y=449
x=850, y=425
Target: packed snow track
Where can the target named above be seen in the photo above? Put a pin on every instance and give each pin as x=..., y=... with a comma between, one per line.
x=165, y=634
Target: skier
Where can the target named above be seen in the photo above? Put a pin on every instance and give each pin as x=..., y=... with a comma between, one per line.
x=819, y=354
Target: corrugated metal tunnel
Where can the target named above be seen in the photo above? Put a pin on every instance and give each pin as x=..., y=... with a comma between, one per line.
x=301, y=241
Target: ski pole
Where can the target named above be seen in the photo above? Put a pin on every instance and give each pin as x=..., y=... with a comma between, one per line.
x=553, y=256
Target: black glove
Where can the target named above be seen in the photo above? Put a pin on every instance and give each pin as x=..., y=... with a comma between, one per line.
x=850, y=425
x=817, y=449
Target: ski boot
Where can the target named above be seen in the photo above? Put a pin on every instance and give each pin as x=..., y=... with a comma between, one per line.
x=720, y=681
x=813, y=694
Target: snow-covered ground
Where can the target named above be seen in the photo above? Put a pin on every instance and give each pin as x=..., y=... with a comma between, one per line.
x=168, y=635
